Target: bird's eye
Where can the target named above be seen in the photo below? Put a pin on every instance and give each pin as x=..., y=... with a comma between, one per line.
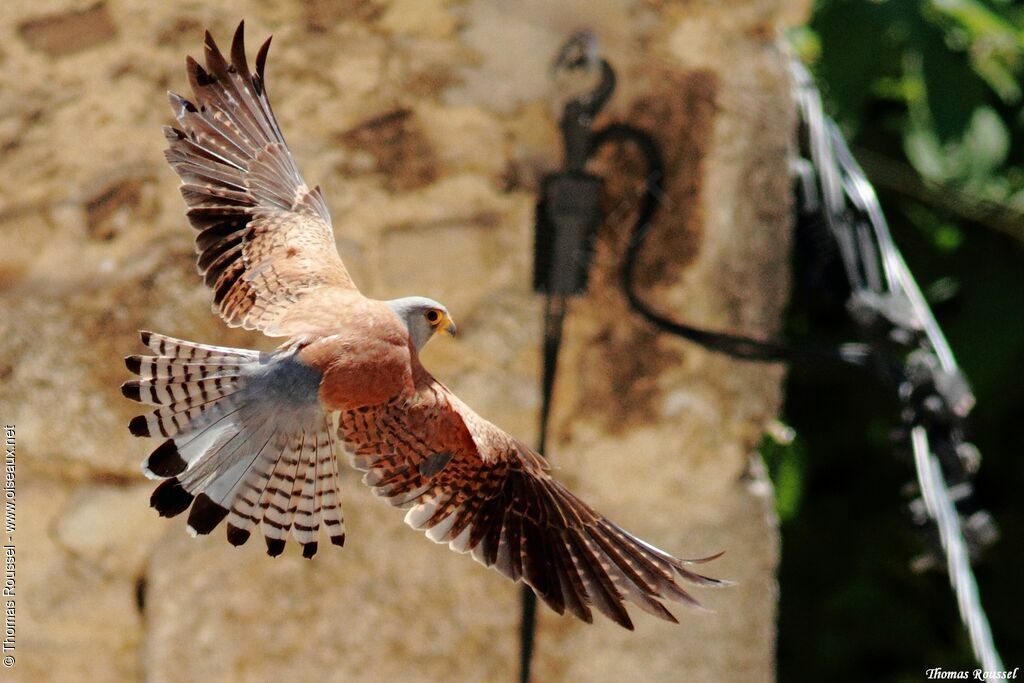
x=433, y=316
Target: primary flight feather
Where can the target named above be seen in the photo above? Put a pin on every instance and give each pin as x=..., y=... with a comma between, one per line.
x=252, y=438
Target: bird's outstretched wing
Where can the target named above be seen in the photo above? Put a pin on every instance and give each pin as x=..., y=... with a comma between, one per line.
x=264, y=238
x=471, y=485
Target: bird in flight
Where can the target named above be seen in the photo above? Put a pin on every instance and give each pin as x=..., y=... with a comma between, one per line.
x=252, y=438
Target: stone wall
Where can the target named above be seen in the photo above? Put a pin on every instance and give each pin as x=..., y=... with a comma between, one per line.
x=428, y=125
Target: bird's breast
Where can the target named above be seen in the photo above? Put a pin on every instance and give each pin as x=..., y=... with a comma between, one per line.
x=365, y=363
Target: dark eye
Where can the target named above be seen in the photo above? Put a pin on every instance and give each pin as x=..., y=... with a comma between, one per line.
x=433, y=316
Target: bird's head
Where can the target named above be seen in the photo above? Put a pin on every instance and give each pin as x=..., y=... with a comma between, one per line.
x=423, y=318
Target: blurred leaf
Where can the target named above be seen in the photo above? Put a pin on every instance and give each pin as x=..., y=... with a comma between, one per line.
x=853, y=37
x=942, y=290
x=971, y=161
x=785, y=462
x=997, y=46
x=943, y=235
x=1016, y=200
x=986, y=142
x=975, y=17
x=952, y=89
x=948, y=237
x=925, y=153
x=805, y=43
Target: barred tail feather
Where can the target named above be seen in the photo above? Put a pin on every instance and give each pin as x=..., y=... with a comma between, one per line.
x=305, y=523
x=328, y=498
x=246, y=440
x=191, y=383
x=274, y=503
x=172, y=349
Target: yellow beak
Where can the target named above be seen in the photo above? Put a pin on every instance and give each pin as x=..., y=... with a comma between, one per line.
x=449, y=326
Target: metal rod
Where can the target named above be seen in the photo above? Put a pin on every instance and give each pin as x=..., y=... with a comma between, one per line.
x=940, y=508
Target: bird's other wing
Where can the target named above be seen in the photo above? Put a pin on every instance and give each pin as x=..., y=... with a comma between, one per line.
x=264, y=238
x=472, y=486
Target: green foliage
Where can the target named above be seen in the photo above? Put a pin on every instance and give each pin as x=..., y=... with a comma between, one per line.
x=784, y=455
x=932, y=86
x=940, y=76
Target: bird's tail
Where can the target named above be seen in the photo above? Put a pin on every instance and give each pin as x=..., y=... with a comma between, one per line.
x=245, y=439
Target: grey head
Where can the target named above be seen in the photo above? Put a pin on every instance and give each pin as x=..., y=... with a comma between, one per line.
x=423, y=318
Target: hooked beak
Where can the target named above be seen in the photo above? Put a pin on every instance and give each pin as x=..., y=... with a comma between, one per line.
x=450, y=328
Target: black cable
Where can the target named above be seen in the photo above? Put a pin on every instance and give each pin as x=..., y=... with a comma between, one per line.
x=527, y=631
x=555, y=281
x=568, y=217
x=738, y=346
x=554, y=320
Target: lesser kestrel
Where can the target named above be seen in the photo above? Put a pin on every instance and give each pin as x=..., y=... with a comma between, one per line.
x=254, y=437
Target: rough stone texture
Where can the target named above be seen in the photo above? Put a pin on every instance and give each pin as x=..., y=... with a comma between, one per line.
x=428, y=125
